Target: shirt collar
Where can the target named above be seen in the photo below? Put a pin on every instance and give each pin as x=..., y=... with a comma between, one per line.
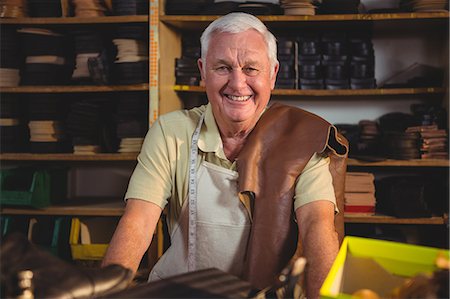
x=209, y=139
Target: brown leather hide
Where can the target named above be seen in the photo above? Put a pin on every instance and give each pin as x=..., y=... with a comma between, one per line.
x=277, y=150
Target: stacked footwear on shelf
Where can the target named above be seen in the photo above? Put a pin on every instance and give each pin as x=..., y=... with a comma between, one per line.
x=433, y=142
x=89, y=8
x=130, y=7
x=44, y=9
x=186, y=69
x=9, y=58
x=359, y=196
x=88, y=46
x=298, y=7
x=131, y=63
x=310, y=69
x=45, y=62
x=84, y=124
x=335, y=60
x=337, y=7
x=13, y=131
x=132, y=123
x=286, y=78
x=47, y=133
x=424, y=5
x=362, y=63
x=13, y=9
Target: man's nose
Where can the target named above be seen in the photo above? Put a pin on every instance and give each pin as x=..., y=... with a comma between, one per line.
x=237, y=79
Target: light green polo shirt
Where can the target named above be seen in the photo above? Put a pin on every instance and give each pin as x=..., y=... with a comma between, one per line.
x=161, y=174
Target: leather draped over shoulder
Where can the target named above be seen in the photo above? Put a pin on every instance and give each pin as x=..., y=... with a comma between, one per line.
x=275, y=154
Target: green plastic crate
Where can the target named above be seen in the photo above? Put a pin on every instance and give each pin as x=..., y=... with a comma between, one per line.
x=31, y=187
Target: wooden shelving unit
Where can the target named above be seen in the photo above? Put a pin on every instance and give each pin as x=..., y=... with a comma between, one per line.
x=72, y=208
x=192, y=22
x=71, y=89
x=336, y=93
x=67, y=157
x=382, y=219
x=401, y=163
x=75, y=20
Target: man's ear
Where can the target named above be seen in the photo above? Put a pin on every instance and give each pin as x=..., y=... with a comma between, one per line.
x=274, y=75
x=200, y=67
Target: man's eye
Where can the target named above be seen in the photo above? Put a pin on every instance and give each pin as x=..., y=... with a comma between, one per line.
x=222, y=69
x=251, y=71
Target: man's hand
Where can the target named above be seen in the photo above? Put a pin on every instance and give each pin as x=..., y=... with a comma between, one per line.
x=133, y=234
x=319, y=240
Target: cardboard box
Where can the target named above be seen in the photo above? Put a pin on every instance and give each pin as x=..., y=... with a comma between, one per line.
x=377, y=265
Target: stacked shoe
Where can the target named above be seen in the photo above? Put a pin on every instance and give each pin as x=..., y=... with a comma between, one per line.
x=286, y=78
x=45, y=62
x=186, y=69
x=89, y=8
x=369, y=137
x=338, y=7
x=130, y=7
x=13, y=131
x=43, y=9
x=424, y=5
x=310, y=69
x=298, y=7
x=362, y=63
x=9, y=58
x=131, y=64
x=46, y=114
x=398, y=143
x=335, y=60
x=13, y=9
x=433, y=141
x=132, y=124
x=88, y=45
x=84, y=125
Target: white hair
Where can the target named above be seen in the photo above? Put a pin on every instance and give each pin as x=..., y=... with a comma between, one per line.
x=238, y=22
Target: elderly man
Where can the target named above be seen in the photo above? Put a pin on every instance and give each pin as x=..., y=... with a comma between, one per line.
x=189, y=164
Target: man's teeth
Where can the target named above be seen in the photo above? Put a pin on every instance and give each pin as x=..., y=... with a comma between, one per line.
x=238, y=98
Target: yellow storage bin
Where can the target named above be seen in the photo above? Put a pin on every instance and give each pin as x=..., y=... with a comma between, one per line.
x=90, y=236
x=377, y=265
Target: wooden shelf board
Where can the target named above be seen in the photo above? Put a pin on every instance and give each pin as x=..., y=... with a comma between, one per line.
x=76, y=20
x=401, y=163
x=382, y=219
x=84, y=208
x=183, y=21
x=81, y=88
x=342, y=92
x=67, y=157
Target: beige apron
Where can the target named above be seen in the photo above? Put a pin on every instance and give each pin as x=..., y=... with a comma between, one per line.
x=223, y=227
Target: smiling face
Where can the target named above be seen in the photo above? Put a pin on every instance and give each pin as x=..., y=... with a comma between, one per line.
x=237, y=78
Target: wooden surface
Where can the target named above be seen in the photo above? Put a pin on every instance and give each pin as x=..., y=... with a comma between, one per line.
x=67, y=157
x=76, y=20
x=74, y=88
x=199, y=22
x=382, y=219
x=84, y=207
x=342, y=92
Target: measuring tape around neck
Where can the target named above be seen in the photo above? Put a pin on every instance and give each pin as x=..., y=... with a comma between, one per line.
x=192, y=198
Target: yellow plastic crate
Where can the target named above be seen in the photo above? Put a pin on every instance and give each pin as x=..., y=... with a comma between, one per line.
x=378, y=265
x=88, y=239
